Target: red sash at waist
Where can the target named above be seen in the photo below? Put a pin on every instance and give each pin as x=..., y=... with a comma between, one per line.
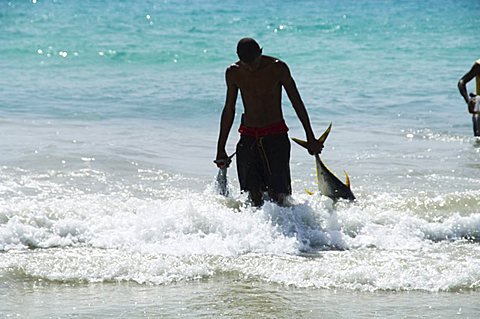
x=277, y=128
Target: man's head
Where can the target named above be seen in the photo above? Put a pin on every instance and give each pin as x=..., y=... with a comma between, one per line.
x=248, y=50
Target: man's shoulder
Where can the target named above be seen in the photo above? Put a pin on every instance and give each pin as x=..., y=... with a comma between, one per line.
x=275, y=61
x=233, y=66
x=232, y=69
x=476, y=68
x=278, y=66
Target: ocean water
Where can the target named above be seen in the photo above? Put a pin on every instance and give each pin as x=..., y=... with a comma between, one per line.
x=109, y=117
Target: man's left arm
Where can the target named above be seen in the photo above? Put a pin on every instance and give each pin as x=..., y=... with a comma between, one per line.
x=462, y=85
x=314, y=146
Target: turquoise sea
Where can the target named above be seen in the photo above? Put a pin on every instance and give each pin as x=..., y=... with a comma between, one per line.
x=109, y=117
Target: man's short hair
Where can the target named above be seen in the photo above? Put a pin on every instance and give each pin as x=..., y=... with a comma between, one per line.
x=248, y=50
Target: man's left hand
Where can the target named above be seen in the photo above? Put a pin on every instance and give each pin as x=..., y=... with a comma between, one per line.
x=314, y=147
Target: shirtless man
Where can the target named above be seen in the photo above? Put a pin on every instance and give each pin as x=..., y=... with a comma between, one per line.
x=263, y=152
x=471, y=99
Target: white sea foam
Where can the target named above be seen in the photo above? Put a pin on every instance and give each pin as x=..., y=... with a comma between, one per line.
x=121, y=233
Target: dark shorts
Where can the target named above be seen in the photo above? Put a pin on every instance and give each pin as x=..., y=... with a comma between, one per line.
x=263, y=163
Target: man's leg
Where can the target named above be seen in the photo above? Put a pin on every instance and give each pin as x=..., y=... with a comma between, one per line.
x=249, y=170
x=277, y=153
x=255, y=198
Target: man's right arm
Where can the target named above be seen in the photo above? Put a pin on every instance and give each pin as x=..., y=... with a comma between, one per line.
x=462, y=84
x=228, y=115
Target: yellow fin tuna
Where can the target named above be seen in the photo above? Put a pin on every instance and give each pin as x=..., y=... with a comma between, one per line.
x=328, y=184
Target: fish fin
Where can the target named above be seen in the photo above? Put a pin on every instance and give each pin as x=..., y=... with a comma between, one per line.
x=347, y=180
x=321, y=139
x=325, y=134
x=309, y=192
x=300, y=142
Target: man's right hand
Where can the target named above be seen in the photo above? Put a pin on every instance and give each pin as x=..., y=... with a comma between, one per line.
x=222, y=160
